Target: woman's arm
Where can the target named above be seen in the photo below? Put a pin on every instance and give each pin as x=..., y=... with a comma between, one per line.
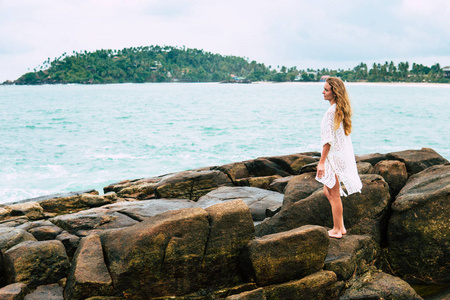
x=323, y=157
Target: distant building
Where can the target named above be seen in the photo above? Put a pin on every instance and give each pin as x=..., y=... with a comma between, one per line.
x=446, y=71
x=324, y=78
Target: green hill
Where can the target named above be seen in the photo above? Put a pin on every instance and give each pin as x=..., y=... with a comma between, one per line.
x=144, y=64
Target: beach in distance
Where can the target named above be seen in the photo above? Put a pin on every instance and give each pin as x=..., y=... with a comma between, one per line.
x=61, y=138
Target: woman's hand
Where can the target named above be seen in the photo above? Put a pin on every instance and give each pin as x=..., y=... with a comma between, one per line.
x=320, y=170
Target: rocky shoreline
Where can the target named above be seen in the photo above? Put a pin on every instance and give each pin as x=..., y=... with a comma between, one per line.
x=247, y=230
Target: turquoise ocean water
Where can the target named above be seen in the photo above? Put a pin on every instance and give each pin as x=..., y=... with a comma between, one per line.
x=73, y=137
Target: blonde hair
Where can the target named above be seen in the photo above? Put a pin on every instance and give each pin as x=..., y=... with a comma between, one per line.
x=343, y=107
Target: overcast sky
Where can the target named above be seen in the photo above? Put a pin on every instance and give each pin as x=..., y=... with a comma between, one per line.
x=303, y=33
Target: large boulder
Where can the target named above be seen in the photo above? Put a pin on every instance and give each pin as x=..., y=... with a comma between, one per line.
x=418, y=231
x=320, y=285
x=32, y=210
x=45, y=233
x=352, y=255
x=191, y=184
x=179, y=252
x=363, y=212
x=88, y=275
x=231, y=228
x=287, y=255
x=258, y=200
x=36, y=263
x=10, y=237
x=394, y=173
x=417, y=160
x=165, y=252
x=300, y=187
x=379, y=285
x=14, y=291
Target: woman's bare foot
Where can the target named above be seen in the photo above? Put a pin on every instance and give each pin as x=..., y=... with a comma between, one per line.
x=334, y=234
x=344, y=231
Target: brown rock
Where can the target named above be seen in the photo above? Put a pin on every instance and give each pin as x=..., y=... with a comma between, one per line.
x=278, y=185
x=32, y=210
x=165, y=251
x=14, y=221
x=418, y=231
x=141, y=190
x=300, y=187
x=45, y=233
x=92, y=220
x=263, y=167
x=70, y=242
x=373, y=158
x=292, y=163
x=364, y=168
x=231, y=228
x=75, y=203
x=394, y=173
x=118, y=186
x=312, y=167
x=47, y=292
x=263, y=182
x=14, y=291
x=88, y=275
x=352, y=255
x=417, y=160
x=378, y=285
x=288, y=255
x=36, y=263
x=257, y=294
x=363, y=212
x=320, y=285
x=234, y=170
x=10, y=237
x=29, y=225
x=141, y=210
x=258, y=200
x=191, y=184
x=105, y=298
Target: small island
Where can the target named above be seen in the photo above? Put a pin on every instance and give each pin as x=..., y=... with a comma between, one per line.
x=176, y=64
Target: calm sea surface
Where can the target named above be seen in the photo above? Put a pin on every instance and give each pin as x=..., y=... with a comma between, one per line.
x=72, y=137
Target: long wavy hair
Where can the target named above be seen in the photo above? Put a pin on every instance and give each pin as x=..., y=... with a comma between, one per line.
x=343, y=107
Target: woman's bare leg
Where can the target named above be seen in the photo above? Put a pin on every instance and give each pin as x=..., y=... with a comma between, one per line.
x=334, y=197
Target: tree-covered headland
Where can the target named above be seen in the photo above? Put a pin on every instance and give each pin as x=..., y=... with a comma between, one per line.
x=176, y=64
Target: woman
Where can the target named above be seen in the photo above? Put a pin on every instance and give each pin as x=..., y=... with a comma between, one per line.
x=337, y=162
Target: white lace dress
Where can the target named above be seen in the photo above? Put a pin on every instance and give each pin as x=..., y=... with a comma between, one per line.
x=340, y=160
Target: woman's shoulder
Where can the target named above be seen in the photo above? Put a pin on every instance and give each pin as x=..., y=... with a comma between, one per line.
x=331, y=109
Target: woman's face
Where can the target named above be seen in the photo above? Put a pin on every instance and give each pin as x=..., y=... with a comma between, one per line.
x=327, y=93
